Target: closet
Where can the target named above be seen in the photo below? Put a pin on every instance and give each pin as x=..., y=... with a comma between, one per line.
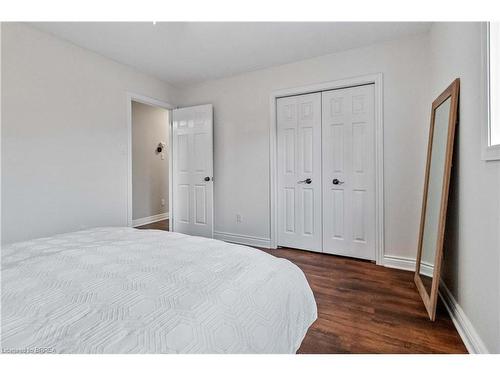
x=326, y=171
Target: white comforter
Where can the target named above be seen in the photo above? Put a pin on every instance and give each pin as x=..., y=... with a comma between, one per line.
x=122, y=290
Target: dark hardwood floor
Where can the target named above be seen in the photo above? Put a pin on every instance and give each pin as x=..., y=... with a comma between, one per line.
x=161, y=225
x=365, y=308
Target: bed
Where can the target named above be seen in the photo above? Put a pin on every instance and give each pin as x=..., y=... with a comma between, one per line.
x=123, y=290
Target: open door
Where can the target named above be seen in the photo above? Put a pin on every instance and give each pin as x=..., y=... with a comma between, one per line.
x=192, y=162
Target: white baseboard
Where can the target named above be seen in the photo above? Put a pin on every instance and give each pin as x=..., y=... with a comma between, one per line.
x=400, y=263
x=149, y=219
x=408, y=264
x=243, y=239
x=465, y=329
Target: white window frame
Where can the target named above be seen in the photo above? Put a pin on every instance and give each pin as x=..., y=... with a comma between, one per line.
x=488, y=151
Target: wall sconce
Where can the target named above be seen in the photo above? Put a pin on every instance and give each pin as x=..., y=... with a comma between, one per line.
x=160, y=147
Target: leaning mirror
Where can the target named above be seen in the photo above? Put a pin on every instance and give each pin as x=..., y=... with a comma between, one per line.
x=435, y=198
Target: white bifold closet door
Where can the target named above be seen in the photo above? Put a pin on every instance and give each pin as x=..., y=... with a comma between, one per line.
x=299, y=171
x=325, y=166
x=192, y=164
x=349, y=172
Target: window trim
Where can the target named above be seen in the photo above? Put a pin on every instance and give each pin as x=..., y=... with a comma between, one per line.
x=488, y=152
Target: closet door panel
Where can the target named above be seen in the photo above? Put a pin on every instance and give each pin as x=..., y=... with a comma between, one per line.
x=299, y=172
x=348, y=172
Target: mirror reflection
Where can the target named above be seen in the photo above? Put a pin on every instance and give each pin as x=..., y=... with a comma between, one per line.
x=434, y=193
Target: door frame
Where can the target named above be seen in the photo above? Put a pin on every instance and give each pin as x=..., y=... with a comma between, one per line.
x=155, y=103
x=377, y=80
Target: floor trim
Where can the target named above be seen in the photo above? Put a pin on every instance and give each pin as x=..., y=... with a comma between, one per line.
x=465, y=329
x=407, y=264
x=150, y=219
x=243, y=239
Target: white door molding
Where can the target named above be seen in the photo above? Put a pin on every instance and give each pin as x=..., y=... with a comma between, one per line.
x=377, y=80
x=133, y=97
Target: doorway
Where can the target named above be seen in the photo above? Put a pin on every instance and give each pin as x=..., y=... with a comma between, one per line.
x=327, y=168
x=149, y=161
x=150, y=164
x=185, y=156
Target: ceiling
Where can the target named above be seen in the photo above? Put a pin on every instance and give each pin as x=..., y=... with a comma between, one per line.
x=186, y=53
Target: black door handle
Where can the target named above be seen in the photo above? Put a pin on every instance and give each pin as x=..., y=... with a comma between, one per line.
x=336, y=181
x=207, y=178
x=306, y=181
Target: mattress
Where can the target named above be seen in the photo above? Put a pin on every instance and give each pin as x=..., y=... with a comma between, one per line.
x=123, y=290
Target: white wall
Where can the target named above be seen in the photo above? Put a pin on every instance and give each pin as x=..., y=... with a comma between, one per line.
x=241, y=131
x=1, y=26
x=64, y=134
x=149, y=171
x=472, y=247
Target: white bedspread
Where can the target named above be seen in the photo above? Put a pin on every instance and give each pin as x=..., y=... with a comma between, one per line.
x=122, y=290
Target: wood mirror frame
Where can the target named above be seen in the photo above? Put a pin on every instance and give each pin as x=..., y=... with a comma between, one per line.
x=430, y=301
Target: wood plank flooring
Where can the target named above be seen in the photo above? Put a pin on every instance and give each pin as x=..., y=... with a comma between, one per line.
x=161, y=225
x=365, y=308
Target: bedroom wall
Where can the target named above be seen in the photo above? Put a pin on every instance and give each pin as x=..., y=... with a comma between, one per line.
x=1, y=26
x=64, y=134
x=241, y=134
x=149, y=170
x=472, y=247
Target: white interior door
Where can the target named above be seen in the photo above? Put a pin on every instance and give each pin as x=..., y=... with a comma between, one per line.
x=192, y=161
x=299, y=171
x=349, y=172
